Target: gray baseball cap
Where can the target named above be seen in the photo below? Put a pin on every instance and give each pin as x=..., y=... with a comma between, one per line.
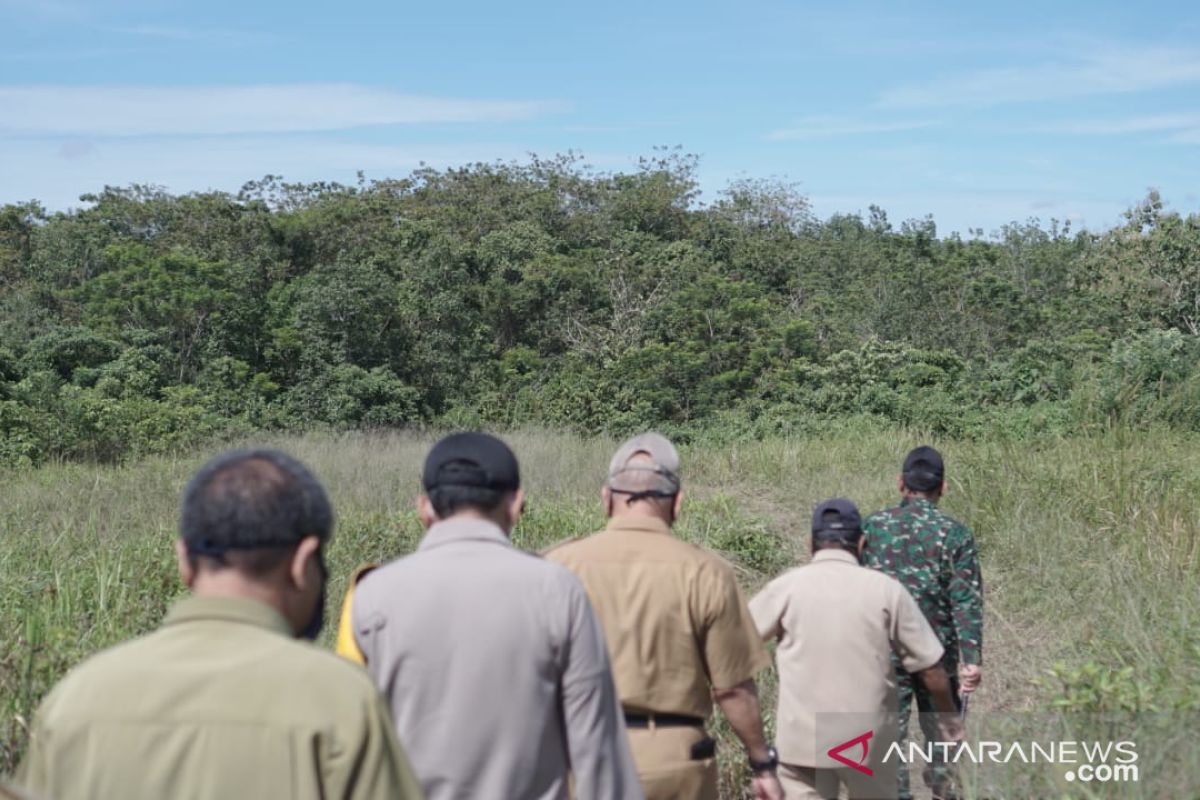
x=655, y=476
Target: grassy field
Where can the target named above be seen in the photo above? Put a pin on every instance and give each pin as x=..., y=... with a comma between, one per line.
x=1090, y=550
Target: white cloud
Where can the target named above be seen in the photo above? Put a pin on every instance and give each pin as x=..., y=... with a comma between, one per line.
x=825, y=126
x=1191, y=136
x=1151, y=123
x=178, y=34
x=58, y=172
x=48, y=9
x=1104, y=71
x=967, y=209
x=141, y=111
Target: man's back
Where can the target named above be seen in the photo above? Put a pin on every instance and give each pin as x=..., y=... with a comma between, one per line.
x=935, y=558
x=838, y=625
x=673, y=615
x=220, y=702
x=485, y=653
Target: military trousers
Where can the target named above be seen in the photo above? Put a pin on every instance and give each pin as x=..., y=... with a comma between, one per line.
x=938, y=775
x=663, y=756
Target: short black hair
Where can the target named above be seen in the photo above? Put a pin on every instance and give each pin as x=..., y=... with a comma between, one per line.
x=450, y=499
x=844, y=539
x=253, y=505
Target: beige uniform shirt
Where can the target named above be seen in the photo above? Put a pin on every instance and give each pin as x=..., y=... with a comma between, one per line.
x=496, y=671
x=674, y=617
x=837, y=624
x=221, y=702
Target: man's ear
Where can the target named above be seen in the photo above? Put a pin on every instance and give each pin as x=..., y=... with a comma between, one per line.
x=516, y=507
x=425, y=510
x=942, y=489
x=187, y=571
x=306, y=551
x=606, y=499
x=862, y=545
x=677, y=504
x=900, y=483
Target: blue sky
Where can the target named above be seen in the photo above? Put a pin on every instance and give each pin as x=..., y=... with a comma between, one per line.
x=977, y=114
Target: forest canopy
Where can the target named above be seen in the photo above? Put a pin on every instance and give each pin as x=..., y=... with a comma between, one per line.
x=548, y=293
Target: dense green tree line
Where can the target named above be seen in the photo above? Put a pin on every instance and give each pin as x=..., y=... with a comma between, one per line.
x=546, y=292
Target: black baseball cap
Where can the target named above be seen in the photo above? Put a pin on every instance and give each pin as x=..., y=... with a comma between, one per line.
x=924, y=470
x=837, y=518
x=477, y=460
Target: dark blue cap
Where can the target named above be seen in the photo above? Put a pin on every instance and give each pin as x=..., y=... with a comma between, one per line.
x=477, y=460
x=836, y=518
x=924, y=470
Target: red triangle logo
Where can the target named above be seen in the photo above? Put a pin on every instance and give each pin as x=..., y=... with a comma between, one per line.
x=836, y=753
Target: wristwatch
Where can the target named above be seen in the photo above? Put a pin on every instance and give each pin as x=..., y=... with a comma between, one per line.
x=770, y=765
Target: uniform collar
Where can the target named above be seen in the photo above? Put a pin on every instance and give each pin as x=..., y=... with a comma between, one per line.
x=228, y=609
x=463, y=529
x=638, y=525
x=918, y=502
x=834, y=554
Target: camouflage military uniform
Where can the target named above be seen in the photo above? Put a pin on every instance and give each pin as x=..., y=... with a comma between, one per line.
x=935, y=558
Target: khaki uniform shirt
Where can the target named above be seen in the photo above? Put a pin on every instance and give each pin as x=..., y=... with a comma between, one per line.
x=674, y=617
x=495, y=668
x=837, y=624
x=221, y=702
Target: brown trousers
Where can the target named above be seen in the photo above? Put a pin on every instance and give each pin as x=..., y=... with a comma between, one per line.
x=809, y=783
x=665, y=766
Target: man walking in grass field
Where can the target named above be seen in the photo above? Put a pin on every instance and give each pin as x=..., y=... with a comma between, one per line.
x=221, y=701
x=839, y=626
x=492, y=658
x=935, y=558
x=678, y=630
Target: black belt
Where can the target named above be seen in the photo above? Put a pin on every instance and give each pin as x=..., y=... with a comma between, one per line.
x=662, y=721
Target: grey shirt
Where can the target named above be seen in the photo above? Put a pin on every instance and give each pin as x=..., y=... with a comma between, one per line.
x=496, y=670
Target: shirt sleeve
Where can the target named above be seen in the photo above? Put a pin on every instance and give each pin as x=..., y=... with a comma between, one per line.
x=33, y=774
x=731, y=643
x=380, y=767
x=596, y=740
x=766, y=609
x=914, y=641
x=966, y=596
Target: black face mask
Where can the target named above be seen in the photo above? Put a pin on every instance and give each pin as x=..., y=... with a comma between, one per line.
x=313, y=629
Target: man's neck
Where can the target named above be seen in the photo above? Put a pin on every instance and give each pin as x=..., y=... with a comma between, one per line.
x=912, y=497
x=232, y=585
x=639, y=513
x=852, y=552
x=472, y=515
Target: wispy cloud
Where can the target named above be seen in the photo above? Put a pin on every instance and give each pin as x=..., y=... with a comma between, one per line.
x=47, y=9
x=58, y=173
x=179, y=34
x=963, y=210
x=78, y=54
x=1148, y=123
x=824, y=126
x=1106, y=71
x=141, y=111
x=1186, y=137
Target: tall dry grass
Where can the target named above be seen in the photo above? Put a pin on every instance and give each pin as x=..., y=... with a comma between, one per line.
x=1089, y=546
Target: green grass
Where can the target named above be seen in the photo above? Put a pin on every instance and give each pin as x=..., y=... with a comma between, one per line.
x=1090, y=548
